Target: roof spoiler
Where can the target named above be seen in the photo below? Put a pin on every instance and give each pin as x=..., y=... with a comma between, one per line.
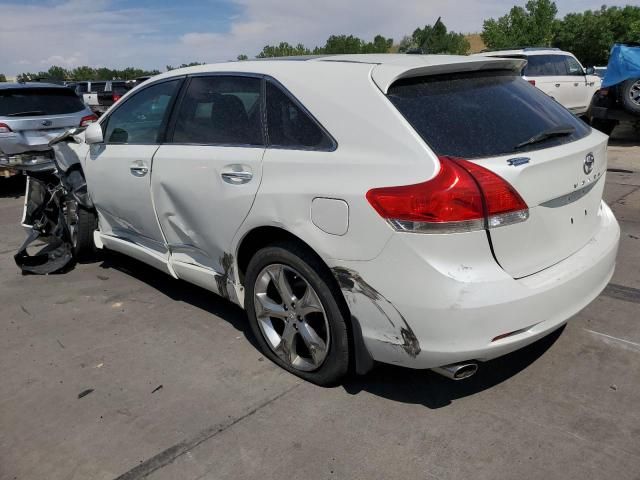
x=385, y=75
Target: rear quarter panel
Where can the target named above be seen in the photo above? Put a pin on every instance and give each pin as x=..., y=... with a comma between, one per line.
x=376, y=147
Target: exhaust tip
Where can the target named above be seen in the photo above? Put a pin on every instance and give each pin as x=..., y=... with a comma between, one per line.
x=457, y=371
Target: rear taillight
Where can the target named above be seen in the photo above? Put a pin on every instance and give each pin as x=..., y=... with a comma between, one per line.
x=115, y=97
x=89, y=119
x=462, y=197
x=532, y=82
x=4, y=128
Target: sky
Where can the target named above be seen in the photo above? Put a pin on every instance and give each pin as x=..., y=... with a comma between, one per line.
x=36, y=34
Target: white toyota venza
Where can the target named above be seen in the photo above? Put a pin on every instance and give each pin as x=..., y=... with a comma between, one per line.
x=432, y=212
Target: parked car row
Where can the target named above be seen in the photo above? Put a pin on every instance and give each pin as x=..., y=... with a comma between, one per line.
x=32, y=114
x=358, y=207
x=447, y=215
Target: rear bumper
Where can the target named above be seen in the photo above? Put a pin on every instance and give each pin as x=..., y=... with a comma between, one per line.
x=617, y=114
x=423, y=308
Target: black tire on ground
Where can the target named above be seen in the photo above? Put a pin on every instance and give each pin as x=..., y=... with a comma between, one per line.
x=630, y=92
x=604, y=125
x=311, y=268
x=84, y=248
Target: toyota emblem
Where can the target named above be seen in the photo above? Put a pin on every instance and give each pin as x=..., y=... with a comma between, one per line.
x=589, y=161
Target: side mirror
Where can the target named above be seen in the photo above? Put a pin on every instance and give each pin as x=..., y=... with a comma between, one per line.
x=93, y=134
x=590, y=71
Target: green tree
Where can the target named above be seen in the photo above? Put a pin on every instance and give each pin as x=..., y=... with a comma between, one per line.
x=2, y=78
x=242, y=57
x=283, y=49
x=589, y=35
x=522, y=27
x=435, y=39
x=57, y=73
x=83, y=73
x=184, y=65
x=341, y=44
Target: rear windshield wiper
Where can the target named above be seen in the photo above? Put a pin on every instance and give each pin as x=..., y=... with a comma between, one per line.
x=26, y=114
x=559, y=131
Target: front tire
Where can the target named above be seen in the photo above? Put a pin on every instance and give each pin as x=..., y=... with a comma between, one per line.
x=82, y=223
x=294, y=314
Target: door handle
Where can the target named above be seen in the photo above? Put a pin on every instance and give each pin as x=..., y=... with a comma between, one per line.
x=237, y=178
x=557, y=85
x=576, y=84
x=139, y=169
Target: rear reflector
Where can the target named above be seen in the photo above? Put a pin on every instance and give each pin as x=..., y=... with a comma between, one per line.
x=89, y=119
x=4, y=128
x=532, y=82
x=462, y=197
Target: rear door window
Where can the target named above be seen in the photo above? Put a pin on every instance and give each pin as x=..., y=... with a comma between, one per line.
x=220, y=110
x=481, y=114
x=290, y=126
x=545, y=66
x=24, y=102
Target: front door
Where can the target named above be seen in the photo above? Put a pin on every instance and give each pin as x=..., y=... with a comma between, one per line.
x=206, y=175
x=119, y=171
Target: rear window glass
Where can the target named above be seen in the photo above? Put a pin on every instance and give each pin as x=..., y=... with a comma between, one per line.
x=482, y=115
x=39, y=101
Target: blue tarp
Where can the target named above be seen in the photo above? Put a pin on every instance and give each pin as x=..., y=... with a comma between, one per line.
x=624, y=63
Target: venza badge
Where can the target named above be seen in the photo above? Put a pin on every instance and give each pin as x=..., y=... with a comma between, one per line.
x=589, y=161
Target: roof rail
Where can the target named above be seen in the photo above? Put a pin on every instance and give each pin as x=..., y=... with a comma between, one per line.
x=525, y=49
x=532, y=49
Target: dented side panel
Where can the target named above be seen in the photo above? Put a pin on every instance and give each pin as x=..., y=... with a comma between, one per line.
x=200, y=212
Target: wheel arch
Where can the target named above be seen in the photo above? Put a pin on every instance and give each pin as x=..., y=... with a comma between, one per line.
x=263, y=236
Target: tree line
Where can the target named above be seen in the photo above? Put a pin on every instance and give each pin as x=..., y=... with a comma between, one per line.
x=589, y=35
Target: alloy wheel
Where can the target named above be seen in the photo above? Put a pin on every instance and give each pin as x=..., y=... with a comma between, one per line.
x=291, y=317
x=634, y=93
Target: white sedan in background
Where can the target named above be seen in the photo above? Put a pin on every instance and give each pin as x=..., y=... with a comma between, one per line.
x=432, y=212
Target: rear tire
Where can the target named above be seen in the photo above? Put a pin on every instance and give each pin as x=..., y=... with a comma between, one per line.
x=307, y=334
x=630, y=92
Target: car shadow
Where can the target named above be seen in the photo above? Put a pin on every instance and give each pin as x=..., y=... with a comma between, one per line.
x=624, y=135
x=13, y=187
x=425, y=387
x=180, y=291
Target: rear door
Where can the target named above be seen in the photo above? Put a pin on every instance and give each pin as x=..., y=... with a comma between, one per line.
x=119, y=171
x=206, y=176
x=36, y=115
x=496, y=120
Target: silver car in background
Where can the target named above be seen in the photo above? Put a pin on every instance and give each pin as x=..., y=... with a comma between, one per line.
x=32, y=114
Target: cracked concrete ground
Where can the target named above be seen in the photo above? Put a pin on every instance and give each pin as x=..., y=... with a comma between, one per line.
x=566, y=407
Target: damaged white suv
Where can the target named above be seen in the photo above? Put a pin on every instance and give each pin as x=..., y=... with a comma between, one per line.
x=425, y=211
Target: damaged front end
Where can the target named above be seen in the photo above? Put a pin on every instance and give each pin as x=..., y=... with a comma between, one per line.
x=54, y=192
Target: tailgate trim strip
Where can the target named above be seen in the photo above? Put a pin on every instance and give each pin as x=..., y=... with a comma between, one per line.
x=570, y=197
